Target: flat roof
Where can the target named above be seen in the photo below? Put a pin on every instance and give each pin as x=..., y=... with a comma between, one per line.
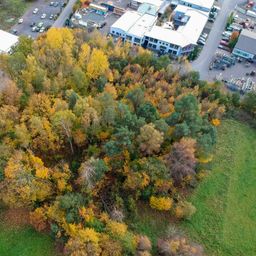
x=135, y=23
x=7, y=41
x=168, y=36
x=157, y=3
x=184, y=35
x=203, y=3
x=195, y=25
x=247, y=41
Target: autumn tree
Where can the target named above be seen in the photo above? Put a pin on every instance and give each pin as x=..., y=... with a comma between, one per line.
x=150, y=139
x=181, y=160
x=98, y=64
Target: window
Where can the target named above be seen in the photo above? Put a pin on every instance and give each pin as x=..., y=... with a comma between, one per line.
x=129, y=38
x=136, y=40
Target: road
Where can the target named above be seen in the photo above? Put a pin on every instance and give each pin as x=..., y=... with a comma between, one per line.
x=201, y=64
x=64, y=14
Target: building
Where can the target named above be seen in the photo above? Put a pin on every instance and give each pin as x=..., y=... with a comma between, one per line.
x=177, y=38
x=132, y=26
x=136, y=3
x=201, y=5
x=246, y=45
x=7, y=41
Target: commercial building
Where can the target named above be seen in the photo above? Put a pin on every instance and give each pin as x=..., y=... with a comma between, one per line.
x=246, y=45
x=7, y=41
x=177, y=37
x=202, y=5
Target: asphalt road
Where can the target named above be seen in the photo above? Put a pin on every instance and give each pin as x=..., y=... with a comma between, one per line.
x=64, y=14
x=201, y=64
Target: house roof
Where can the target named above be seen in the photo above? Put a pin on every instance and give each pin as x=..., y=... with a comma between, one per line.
x=247, y=41
x=7, y=41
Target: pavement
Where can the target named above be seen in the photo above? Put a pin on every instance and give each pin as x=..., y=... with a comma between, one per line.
x=29, y=17
x=201, y=64
x=64, y=14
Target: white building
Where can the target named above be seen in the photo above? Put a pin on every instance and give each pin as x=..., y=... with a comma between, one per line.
x=176, y=38
x=132, y=26
x=202, y=5
x=7, y=41
x=136, y=3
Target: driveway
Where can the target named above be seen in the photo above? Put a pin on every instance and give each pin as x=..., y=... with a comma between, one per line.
x=201, y=64
x=64, y=14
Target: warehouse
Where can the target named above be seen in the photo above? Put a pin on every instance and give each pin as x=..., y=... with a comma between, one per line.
x=7, y=41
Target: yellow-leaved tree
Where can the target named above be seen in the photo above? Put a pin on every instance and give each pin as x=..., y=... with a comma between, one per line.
x=98, y=64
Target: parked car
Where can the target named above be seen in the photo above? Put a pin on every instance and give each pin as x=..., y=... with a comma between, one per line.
x=201, y=42
x=14, y=31
x=51, y=17
x=40, y=24
x=20, y=21
x=211, y=20
x=103, y=24
x=32, y=24
x=51, y=3
x=222, y=42
x=41, y=29
x=56, y=4
x=33, y=29
x=204, y=35
x=35, y=11
x=43, y=16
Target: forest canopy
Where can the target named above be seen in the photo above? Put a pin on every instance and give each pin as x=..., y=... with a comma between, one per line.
x=90, y=129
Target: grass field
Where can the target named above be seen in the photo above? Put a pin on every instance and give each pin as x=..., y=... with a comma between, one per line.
x=10, y=11
x=23, y=241
x=225, y=222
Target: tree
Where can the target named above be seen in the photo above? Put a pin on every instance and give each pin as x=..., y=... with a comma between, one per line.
x=249, y=103
x=64, y=122
x=84, y=55
x=150, y=139
x=98, y=64
x=181, y=160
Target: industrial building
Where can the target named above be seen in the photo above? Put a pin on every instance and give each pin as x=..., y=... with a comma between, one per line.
x=7, y=41
x=246, y=45
x=177, y=37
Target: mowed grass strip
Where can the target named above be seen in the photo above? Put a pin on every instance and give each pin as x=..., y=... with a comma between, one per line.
x=22, y=240
x=225, y=222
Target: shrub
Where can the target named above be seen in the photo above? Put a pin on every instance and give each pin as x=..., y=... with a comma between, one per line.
x=161, y=203
x=144, y=244
x=184, y=210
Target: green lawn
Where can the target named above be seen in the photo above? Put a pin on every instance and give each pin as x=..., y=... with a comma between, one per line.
x=24, y=241
x=10, y=11
x=225, y=222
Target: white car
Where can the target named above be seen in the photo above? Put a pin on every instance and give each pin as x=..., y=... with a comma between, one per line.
x=35, y=11
x=41, y=29
x=43, y=16
x=20, y=21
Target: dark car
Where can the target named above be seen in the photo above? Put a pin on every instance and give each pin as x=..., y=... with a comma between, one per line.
x=103, y=24
x=32, y=24
x=14, y=31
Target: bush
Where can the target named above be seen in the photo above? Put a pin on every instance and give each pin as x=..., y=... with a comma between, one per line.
x=161, y=203
x=184, y=210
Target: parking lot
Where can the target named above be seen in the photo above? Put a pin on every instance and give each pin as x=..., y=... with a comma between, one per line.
x=47, y=12
x=89, y=18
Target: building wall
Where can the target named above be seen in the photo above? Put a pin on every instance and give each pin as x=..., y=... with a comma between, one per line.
x=243, y=54
x=153, y=43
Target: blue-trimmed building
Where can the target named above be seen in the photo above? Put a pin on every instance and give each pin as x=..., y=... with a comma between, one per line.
x=246, y=45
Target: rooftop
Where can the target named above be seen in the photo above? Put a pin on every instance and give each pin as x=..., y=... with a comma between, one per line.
x=247, y=41
x=203, y=3
x=135, y=23
x=184, y=35
x=7, y=41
